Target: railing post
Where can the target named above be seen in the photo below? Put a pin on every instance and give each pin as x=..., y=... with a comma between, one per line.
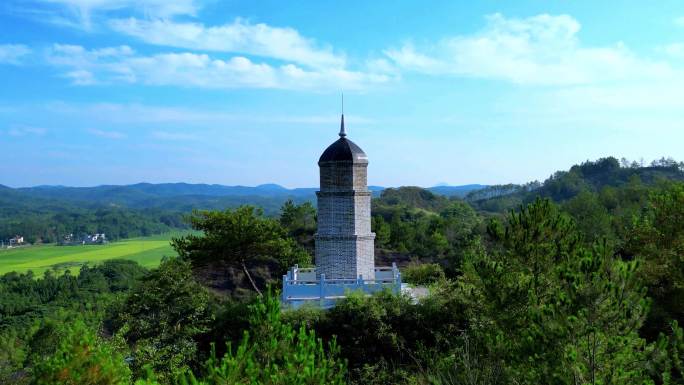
x=321, y=285
x=284, y=294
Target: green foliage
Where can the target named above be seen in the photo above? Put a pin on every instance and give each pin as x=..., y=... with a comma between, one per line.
x=669, y=360
x=550, y=295
x=589, y=176
x=237, y=236
x=383, y=231
x=415, y=197
x=81, y=358
x=298, y=220
x=541, y=297
x=591, y=216
x=33, y=311
x=275, y=354
x=422, y=273
x=272, y=352
x=162, y=317
x=49, y=222
x=383, y=336
x=658, y=237
x=444, y=235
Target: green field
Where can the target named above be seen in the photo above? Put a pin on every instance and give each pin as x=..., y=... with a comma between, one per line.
x=146, y=251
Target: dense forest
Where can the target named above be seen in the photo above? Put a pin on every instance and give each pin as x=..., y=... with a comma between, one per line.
x=47, y=213
x=576, y=280
x=48, y=221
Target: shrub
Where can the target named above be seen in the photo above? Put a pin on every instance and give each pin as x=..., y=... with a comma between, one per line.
x=163, y=317
x=381, y=336
x=274, y=353
x=82, y=359
x=271, y=353
x=423, y=273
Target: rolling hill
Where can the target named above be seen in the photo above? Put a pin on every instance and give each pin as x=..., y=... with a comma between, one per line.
x=185, y=196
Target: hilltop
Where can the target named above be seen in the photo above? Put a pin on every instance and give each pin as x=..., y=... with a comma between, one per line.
x=181, y=196
x=591, y=176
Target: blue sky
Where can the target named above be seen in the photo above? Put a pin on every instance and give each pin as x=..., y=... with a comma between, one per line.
x=248, y=92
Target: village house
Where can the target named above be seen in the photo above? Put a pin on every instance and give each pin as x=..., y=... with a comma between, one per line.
x=18, y=240
x=89, y=239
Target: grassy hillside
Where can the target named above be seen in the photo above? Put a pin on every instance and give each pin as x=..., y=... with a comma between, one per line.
x=147, y=251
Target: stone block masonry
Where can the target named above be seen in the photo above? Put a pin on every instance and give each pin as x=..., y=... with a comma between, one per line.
x=344, y=241
x=345, y=252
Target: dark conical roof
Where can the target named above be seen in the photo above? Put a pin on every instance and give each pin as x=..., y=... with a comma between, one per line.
x=344, y=150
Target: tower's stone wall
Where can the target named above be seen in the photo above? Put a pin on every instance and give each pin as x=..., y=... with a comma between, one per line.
x=344, y=241
x=359, y=177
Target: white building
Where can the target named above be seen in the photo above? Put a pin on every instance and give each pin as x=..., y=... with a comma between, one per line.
x=16, y=241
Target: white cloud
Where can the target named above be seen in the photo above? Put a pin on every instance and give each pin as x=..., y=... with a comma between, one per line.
x=81, y=77
x=13, y=53
x=107, y=134
x=542, y=50
x=122, y=64
x=21, y=130
x=83, y=11
x=240, y=36
x=679, y=21
x=675, y=50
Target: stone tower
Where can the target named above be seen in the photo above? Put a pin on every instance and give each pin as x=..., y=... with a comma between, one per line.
x=344, y=241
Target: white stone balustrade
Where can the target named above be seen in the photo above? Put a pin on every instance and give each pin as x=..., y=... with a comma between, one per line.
x=300, y=286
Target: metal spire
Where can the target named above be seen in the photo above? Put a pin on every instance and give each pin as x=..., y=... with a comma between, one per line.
x=342, y=132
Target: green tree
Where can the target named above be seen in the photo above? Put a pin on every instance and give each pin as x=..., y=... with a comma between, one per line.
x=591, y=217
x=422, y=273
x=388, y=338
x=272, y=353
x=161, y=319
x=657, y=236
x=549, y=311
x=382, y=231
x=300, y=222
x=298, y=218
x=237, y=236
x=82, y=358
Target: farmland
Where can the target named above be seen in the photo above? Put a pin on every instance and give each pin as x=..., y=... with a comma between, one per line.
x=147, y=251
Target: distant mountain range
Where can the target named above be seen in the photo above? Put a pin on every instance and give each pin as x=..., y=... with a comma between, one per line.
x=185, y=196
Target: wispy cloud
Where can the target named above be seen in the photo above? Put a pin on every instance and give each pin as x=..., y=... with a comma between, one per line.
x=539, y=50
x=13, y=53
x=240, y=36
x=107, y=134
x=80, y=13
x=674, y=50
x=21, y=130
x=143, y=113
x=679, y=21
x=261, y=55
x=122, y=64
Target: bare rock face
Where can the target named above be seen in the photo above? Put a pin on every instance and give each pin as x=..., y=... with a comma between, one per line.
x=230, y=280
